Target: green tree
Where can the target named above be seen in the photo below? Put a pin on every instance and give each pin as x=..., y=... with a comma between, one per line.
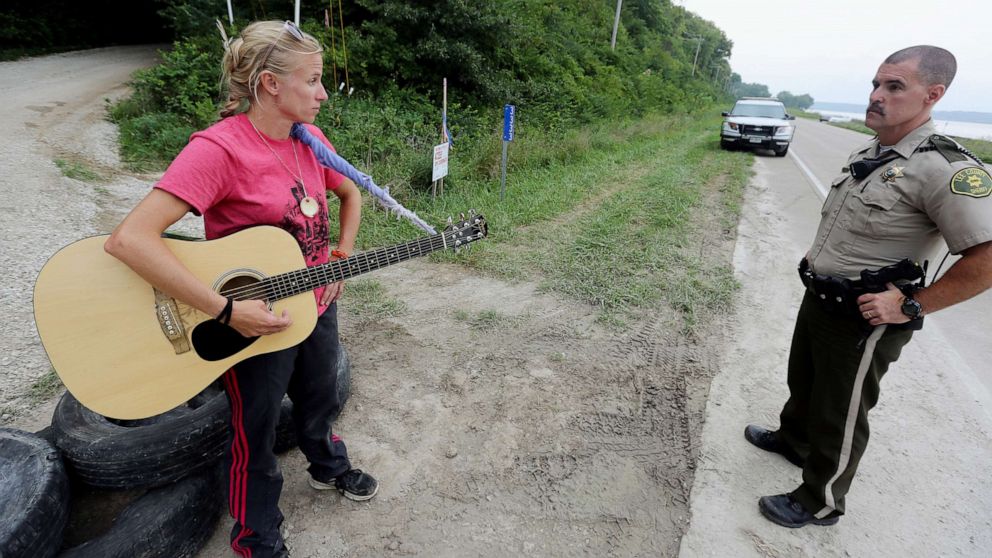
x=803, y=101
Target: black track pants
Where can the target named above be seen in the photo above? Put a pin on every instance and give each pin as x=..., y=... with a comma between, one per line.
x=255, y=389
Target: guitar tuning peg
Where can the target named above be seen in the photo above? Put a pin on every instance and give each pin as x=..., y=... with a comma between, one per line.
x=471, y=212
x=449, y=219
x=461, y=216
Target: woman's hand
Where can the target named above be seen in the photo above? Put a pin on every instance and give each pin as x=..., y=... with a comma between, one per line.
x=252, y=318
x=332, y=293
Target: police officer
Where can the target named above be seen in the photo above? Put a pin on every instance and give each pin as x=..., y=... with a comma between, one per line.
x=899, y=194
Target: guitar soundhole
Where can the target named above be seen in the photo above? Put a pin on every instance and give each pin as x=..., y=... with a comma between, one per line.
x=215, y=341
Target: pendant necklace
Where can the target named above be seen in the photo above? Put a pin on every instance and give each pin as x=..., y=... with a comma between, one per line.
x=308, y=205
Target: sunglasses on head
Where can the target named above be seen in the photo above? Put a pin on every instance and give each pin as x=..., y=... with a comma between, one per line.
x=287, y=26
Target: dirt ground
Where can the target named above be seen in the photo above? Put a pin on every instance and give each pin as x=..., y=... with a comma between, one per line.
x=542, y=434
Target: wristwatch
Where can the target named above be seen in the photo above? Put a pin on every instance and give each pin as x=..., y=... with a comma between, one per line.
x=912, y=308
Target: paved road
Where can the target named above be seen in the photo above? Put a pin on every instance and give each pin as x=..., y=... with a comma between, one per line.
x=924, y=487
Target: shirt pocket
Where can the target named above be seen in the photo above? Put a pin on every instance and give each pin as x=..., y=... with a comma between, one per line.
x=874, y=209
x=832, y=194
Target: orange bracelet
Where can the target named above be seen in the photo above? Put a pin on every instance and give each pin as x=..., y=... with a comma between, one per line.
x=339, y=254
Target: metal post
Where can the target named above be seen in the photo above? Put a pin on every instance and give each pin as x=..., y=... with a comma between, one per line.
x=296, y=14
x=616, y=23
x=502, y=180
x=230, y=12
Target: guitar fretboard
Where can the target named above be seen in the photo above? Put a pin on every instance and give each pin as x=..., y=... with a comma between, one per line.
x=293, y=283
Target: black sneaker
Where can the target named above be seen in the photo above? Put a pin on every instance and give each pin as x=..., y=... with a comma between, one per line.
x=768, y=441
x=353, y=484
x=784, y=510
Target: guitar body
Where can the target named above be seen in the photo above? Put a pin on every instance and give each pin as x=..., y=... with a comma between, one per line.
x=127, y=351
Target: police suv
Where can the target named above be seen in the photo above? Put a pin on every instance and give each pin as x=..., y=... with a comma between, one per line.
x=757, y=122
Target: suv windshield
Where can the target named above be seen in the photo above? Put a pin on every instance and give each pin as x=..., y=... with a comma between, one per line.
x=760, y=110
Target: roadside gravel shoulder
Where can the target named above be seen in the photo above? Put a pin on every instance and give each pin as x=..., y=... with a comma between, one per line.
x=54, y=108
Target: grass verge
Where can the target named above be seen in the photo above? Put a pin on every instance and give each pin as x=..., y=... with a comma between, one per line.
x=609, y=215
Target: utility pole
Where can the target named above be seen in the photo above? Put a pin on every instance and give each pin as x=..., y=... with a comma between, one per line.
x=616, y=23
x=699, y=43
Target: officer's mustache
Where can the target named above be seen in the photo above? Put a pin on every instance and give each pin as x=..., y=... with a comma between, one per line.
x=876, y=108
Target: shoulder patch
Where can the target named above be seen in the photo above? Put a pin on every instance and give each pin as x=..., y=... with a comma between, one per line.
x=972, y=181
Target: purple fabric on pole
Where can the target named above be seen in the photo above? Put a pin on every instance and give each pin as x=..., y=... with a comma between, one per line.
x=334, y=161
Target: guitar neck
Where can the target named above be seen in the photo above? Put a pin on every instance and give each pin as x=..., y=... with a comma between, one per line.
x=300, y=281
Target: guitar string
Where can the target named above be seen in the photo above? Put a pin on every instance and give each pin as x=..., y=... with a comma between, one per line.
x=289, y=284
x=282, y=281
x=286, y=283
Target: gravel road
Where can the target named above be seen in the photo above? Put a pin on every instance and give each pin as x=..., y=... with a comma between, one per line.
x=52, y=110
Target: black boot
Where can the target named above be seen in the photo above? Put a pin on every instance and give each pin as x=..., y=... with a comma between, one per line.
x=787, y=512
x=769, y=441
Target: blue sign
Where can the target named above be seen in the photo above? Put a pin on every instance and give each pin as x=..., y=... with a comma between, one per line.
x=509, y=121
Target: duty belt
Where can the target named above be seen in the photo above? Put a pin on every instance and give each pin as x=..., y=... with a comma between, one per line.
x=839, y=295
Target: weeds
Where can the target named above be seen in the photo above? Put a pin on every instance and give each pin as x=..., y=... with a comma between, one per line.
x=77, y=171
x=45, y=387
x=367, y=301
x=486, y=320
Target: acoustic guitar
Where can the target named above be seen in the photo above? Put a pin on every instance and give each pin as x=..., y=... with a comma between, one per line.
x=126, y=350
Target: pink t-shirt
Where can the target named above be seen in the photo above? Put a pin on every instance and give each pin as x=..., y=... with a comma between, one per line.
x=231, y=178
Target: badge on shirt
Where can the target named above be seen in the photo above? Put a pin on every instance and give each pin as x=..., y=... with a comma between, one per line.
x=974, y=182
x=892, y=173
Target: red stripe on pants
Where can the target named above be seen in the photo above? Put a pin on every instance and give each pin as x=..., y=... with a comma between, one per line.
x=239, y=450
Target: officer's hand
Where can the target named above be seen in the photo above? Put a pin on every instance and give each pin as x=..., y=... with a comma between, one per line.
x=253, y=318
x=884, y=307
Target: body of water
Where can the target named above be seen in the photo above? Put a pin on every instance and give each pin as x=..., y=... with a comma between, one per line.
x=972, y=130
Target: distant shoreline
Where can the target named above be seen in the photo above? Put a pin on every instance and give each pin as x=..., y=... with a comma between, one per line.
x=952, y=115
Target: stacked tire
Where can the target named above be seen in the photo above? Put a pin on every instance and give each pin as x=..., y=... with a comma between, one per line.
x=170, y=461
x=34, y=489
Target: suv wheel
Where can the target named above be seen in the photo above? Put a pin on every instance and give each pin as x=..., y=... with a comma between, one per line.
x=780, y=152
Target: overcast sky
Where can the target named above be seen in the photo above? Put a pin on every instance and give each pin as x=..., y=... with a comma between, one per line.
x=832, y=48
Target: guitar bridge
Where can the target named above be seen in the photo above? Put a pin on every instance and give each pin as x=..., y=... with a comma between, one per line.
x=172, y=326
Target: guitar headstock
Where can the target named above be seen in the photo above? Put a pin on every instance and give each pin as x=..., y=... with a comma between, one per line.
x=466, y=230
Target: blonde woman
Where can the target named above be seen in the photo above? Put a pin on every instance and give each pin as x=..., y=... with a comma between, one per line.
x=245, y=171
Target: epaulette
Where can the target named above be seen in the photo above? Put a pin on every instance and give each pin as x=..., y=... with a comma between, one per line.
x=950, y=149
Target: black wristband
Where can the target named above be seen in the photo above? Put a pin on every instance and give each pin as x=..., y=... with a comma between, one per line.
x=225, y=315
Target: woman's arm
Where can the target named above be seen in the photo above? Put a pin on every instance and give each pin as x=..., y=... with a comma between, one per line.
x=137, y=242
x=349, y=216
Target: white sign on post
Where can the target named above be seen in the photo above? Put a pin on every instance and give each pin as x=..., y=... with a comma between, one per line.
x=440, y=161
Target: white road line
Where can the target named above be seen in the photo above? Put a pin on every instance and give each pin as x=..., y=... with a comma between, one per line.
x=818, y=186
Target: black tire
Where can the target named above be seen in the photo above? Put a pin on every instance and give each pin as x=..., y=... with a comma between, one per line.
x=285, y=431
x=122, y=455
x=782, y=151
x=729, y=146
x=34, y=496
x=171, y=521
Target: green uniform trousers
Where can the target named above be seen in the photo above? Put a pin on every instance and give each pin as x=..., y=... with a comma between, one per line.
x=835, y=366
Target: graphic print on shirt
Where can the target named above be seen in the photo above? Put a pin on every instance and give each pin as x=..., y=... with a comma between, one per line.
x=312, y=234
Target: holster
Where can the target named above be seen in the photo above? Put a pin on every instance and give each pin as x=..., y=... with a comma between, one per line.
x=838, y=296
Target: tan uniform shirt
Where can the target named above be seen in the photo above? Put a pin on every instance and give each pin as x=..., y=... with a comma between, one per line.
x=902, y=209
